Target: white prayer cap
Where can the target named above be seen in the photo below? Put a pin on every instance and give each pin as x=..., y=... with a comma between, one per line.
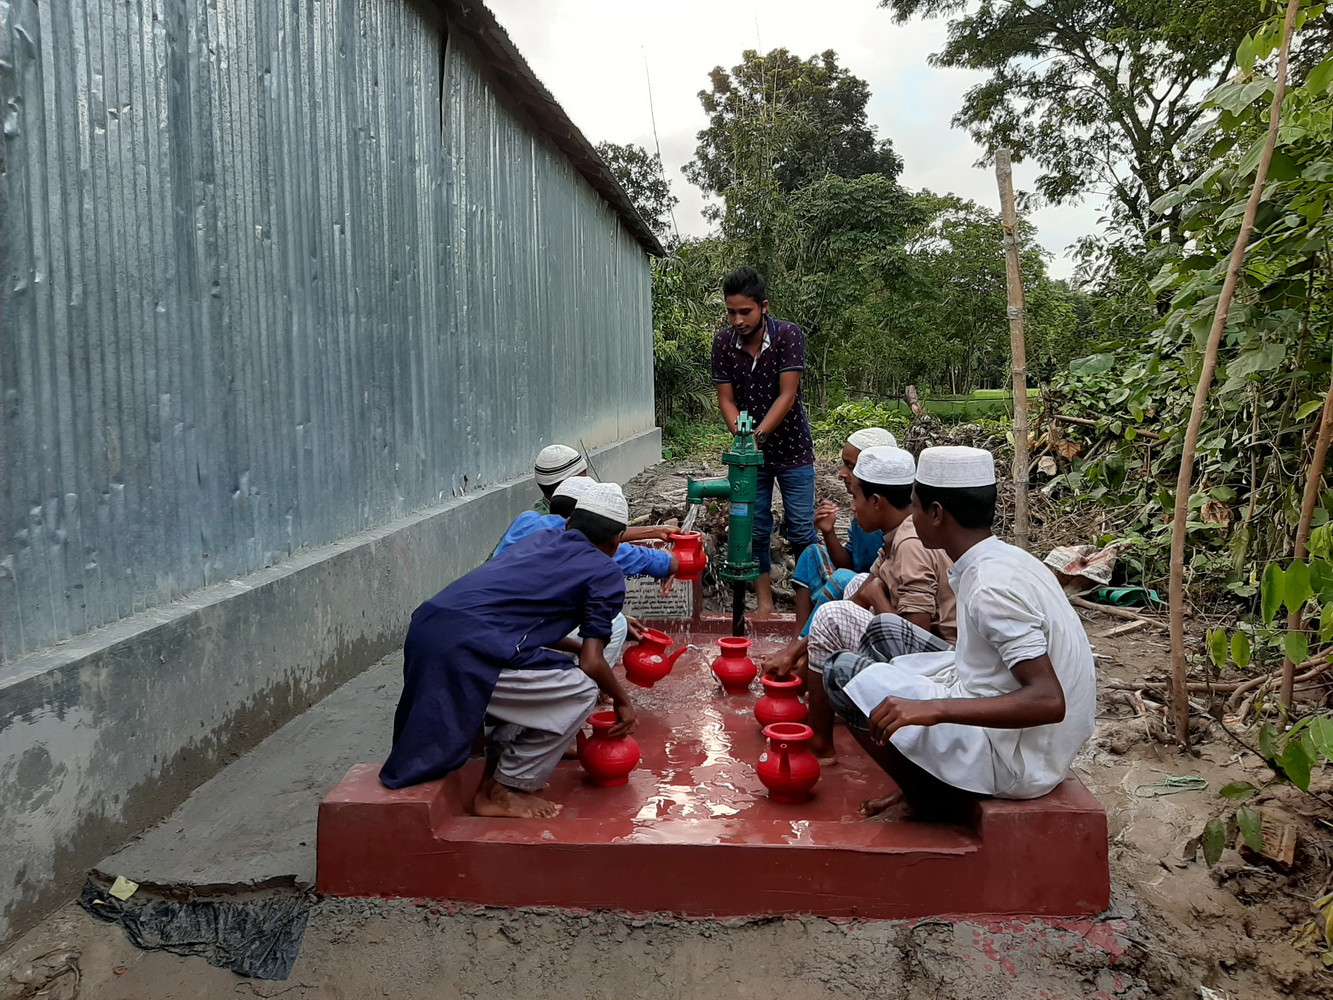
x=885, y=466
x=606, y=499
x=871, y=437
x=953, y=467
x=574, y=486
x=556, y=463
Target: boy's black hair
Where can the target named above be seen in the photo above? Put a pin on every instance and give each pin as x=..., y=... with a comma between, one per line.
x=745, y=281
x=970, y=506
x=548, y=489
x=900, y=496
x=563, y=505
x=599, y=529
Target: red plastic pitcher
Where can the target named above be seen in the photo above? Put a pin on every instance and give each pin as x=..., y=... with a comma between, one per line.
x=734, y=668
x=648, y=662
x=689, y=549
x=607, y=759
x=787, y=768
x=781, y=701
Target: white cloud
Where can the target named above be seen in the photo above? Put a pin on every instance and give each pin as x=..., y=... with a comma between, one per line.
x=597, y=56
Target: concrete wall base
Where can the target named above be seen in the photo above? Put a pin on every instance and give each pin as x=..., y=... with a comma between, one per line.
x=105, y=735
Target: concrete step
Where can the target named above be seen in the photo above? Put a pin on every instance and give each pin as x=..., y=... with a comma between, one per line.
x=694, y=833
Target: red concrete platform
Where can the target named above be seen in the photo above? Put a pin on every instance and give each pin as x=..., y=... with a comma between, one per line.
x=693, y=832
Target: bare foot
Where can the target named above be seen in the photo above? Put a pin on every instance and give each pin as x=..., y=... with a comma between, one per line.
x=824, y=752
x=764, y=609
x=495, y=799
x=876, y=807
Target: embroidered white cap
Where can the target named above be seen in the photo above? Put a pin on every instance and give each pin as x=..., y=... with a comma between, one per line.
x=886, y=466
x=557, y=462
x=954, y=467
x=575, y=486
x=606, y=499
x=871, y=437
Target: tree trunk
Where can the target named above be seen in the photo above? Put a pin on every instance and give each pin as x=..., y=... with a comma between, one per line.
x=1017, y=346
x=1185, y=480
x=1312, y=483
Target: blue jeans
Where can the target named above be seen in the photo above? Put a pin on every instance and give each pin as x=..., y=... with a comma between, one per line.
x=798, y=502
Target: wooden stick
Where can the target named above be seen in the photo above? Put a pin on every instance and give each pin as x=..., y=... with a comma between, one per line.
x=1185, y=481
x=1314, y=478
x=1320, y=662
x=1316, y=665
x=1004, y=175
x=1085, y=422
x=1125, y=629
x=914, y=401
x=1115, y=612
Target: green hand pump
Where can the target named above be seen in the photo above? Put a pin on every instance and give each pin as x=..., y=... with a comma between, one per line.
x=740, y=487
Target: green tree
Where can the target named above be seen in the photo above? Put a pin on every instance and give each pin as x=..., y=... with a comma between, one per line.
x=952, y=331
x=1255, y=446
x=819, y=109
x=640, y=173
x=1102, y=95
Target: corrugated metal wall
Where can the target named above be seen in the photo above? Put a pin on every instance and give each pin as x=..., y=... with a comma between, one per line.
x=274, y=271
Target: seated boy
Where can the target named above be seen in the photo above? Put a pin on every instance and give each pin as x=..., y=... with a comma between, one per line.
x=1023, y=698
x=904, y=599
x=825, y=567
x=478, y=654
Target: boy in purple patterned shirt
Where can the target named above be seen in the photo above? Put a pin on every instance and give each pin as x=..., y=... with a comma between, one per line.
x=757, y=366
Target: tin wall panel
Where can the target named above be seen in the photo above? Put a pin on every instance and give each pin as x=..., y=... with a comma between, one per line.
x=275, y=272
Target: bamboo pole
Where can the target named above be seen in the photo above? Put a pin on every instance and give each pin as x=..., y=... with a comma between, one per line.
x=1004, y=175
x=1185, y=480
x=1311, y=497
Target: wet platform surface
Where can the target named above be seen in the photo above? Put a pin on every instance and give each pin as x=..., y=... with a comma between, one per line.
x=694, y=833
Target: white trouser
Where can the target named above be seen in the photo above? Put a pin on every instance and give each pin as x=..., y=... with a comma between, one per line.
x=541, y=711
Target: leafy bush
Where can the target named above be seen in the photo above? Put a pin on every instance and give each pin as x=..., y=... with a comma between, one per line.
x=831, y=429
x=686, y=438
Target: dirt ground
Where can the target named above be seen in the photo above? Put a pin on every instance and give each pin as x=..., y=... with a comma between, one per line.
x=1176, y=928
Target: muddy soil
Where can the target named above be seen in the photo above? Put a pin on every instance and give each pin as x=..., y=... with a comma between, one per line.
x=1177, y=928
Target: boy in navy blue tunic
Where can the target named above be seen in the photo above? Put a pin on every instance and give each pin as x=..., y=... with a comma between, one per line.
x=757, y=366
x=482, y=653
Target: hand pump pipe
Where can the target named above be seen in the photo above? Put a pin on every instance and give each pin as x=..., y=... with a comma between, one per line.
x=740, y=486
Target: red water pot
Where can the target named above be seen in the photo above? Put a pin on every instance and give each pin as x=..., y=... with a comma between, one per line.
x=787, y=768
x=734, y=668
x=648, y=662
x=781, y=701
x=607, y=759
x=689, y=549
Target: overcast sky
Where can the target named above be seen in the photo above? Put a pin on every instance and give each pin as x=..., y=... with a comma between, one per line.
x=597, y=56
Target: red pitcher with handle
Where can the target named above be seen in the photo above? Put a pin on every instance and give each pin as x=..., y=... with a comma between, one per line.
x=788, y=768
x=607, y=759
x=734, y=668
x=648, y=662
x=781, y=701
x=690, y=555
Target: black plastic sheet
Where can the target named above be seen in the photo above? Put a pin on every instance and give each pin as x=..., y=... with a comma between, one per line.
x=258, y=937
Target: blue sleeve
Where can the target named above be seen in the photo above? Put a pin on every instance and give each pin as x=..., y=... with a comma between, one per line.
x=606, y=598
x=525, y=524
x=639, y=560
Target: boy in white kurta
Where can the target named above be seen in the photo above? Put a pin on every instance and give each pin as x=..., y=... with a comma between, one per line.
x=1021, y=698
